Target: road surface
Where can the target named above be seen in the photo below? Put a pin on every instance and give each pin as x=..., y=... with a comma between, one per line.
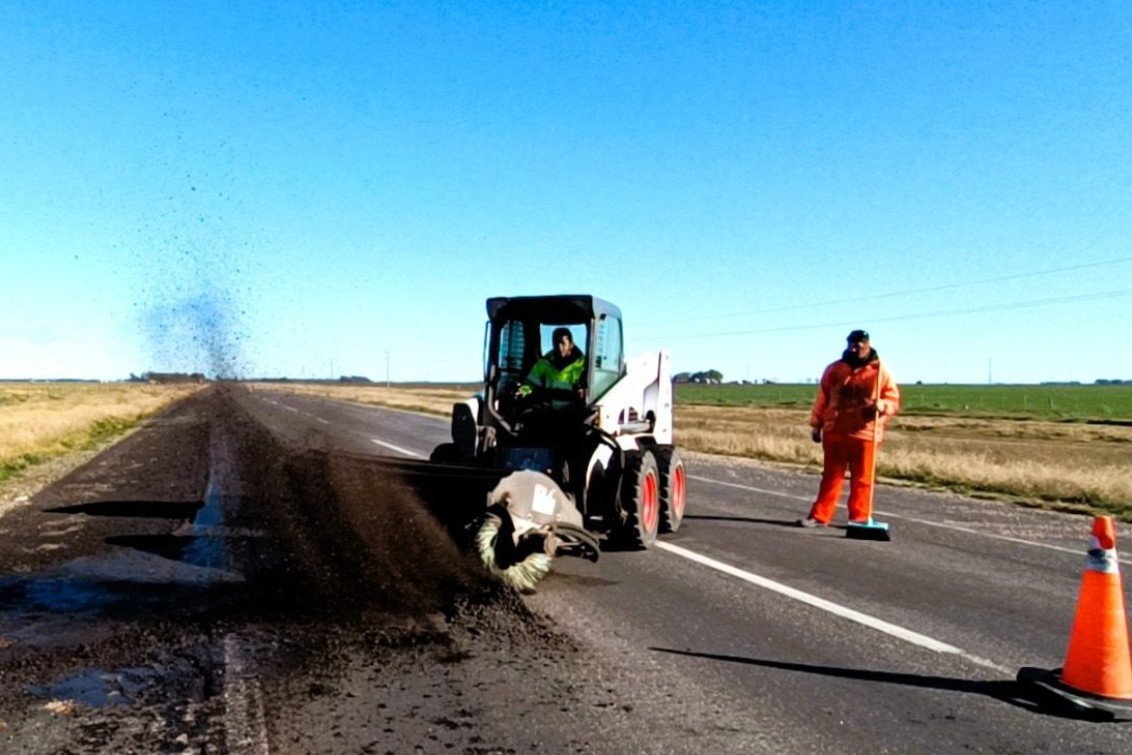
x=256, y=572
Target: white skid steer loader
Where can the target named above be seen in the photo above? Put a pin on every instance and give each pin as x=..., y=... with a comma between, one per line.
x=597, y=462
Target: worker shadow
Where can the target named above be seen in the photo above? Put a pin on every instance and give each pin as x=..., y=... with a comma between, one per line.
x=792, y=523
x=1011, y=691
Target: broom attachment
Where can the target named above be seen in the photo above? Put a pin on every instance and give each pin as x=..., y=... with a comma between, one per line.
x=529, y=521
x=868, y=530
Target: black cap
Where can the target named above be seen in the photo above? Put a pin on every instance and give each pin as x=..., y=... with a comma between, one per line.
x=858, y=335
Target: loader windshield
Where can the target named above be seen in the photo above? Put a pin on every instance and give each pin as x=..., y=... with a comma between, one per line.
x=531, y=368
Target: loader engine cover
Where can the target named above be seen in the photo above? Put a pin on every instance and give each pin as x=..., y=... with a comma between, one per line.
x=532, y=497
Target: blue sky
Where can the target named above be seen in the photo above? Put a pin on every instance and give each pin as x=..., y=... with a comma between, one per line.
x=313, y=189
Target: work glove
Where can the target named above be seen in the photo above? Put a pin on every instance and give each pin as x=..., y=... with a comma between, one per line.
x=873, y=409
x=816, y=434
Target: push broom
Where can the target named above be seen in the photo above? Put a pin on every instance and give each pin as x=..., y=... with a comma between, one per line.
x=871, y=529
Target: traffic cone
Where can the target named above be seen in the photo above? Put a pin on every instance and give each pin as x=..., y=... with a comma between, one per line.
x=1097, y=674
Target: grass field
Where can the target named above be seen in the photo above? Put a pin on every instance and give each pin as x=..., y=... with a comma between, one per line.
x=1054, y=401
x=42, y=421
x=1056, y=446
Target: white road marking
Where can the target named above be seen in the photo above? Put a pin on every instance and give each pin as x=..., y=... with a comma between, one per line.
x=323, y=421
x=398, y=449
x=245, y=726
x=778, y=493
x=929, y=523
x=837, y=609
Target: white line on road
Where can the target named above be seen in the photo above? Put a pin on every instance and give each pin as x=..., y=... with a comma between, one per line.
x=245, y=729
x=929, y=523
x=837, y=609
x=398, y=449
x=778, y=493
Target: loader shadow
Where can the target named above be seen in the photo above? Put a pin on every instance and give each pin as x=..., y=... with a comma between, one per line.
x=791, y=523
x=1011, y=692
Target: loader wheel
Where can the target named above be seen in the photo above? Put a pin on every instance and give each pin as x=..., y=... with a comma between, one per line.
x=672, y=488
x=445, y=453
x=640, y=495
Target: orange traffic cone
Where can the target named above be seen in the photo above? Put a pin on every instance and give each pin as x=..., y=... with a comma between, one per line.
x=1098, y=667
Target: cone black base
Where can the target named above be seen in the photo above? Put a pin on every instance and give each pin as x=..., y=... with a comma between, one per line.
x=1049, y=681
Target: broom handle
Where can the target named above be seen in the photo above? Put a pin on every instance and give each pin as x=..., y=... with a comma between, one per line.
x=876, y=435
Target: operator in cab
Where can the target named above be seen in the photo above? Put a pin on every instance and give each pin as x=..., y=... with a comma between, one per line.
x=563, y=368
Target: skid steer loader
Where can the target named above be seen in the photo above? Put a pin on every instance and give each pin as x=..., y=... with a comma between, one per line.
x=600, y=464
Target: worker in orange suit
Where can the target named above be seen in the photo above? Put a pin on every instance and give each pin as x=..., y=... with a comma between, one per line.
x=856, y=398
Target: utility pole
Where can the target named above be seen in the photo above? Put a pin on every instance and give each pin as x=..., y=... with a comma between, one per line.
x=990, y=378
x=387, y=368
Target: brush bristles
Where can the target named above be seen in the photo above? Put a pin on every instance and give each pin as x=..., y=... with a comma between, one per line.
x=523, y=575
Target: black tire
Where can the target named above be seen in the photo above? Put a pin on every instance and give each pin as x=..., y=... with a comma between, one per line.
x=445, y=453
x=673, y=488
x=640, y=498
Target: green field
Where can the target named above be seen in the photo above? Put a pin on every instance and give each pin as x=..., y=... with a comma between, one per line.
x=1109, y=403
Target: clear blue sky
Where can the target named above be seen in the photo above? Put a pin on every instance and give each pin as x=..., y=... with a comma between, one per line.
x=324, y=188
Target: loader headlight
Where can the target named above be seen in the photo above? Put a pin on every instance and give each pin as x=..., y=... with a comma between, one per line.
x=536, y=459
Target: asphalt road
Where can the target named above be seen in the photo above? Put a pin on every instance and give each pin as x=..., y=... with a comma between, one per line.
x=298, y=593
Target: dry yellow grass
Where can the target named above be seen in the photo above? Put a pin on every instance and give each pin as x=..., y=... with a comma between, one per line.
x=1071, y=465
x=40, y=421
x=1054, y=464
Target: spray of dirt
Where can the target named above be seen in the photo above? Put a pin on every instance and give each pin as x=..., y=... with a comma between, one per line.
x=199, y=333
x=189, y=262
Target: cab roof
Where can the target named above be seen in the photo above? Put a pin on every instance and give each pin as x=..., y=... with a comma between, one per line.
x=563, y=308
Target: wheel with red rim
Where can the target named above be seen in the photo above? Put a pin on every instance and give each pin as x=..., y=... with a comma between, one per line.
x=640, y=496
x=673, y=488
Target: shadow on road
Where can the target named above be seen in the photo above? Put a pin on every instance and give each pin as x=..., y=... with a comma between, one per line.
x=134, y=509
x=1012, y=692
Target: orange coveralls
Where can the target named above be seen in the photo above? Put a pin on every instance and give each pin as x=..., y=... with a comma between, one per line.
x=851, y=431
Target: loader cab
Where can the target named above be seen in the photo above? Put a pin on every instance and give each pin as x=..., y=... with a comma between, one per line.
x=519, y=332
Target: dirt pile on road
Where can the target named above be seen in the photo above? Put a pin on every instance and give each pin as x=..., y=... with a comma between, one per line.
x=303, y=529
x=351, y=531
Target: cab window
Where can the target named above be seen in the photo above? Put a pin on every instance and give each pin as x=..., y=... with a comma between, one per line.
x=608, y=358
x=512, y=348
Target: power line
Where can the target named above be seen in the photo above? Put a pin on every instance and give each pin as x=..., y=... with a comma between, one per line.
x=894, y=294
x=917, y=316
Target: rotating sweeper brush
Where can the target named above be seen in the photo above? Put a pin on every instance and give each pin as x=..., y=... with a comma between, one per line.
x=529, y=521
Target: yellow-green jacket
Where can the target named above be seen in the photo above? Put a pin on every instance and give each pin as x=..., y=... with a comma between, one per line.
x=547, y=374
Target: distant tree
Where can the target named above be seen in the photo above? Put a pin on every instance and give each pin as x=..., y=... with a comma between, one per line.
x=707, y=376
